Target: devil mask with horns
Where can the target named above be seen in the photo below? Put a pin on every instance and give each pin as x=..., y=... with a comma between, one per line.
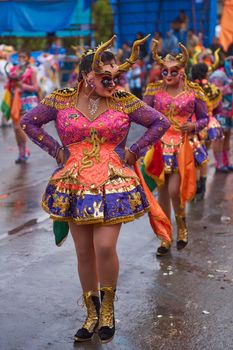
x=98, y=68
x=173, y=67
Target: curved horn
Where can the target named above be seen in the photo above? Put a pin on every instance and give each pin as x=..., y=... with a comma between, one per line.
x=214, y=66
x=97, y=63
x=78, y=50
x=185, y=55
x=155, y=55
x=124, y=67
x=75, y=48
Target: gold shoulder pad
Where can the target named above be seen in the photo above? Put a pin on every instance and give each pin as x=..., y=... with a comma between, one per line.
x=199, y=93
x=125, y=101
x=213, y=94
x=61, y=99
x=152, y=88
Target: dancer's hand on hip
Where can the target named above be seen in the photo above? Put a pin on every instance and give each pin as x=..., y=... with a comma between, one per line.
x=187, y=127
x=60, y=158
x=130, y=157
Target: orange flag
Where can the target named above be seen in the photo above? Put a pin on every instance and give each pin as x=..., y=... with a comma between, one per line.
x=16, y=106
x=159, y=221
x=187, y=171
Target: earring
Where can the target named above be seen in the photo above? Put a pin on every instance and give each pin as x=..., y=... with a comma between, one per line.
x=180, y=81
x=86, y=85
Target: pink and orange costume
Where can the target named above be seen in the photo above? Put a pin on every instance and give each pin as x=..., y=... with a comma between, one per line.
x=95, y=185
x=179, y=110
x=28, y=93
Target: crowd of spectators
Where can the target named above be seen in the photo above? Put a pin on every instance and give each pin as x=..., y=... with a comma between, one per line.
x=145, y=70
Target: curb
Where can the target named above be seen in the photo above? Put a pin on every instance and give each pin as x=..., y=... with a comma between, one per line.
x=28, y=223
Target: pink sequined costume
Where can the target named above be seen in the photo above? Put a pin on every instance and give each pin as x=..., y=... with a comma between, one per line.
x=28, y=95
x=178, y=110
x=95, y=185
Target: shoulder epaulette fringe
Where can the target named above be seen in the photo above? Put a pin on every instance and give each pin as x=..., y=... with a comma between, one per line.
x=61, y=98
x=213, y=96
x=199, y=93
x=152, y=88
x=125, y=101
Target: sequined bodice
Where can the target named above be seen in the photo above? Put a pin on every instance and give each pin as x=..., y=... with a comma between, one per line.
x=178, y=110
x=182, y=105
x=73, y=127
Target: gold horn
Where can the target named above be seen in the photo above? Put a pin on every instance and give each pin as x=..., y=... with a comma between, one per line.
x=78, y=50
x=75, y=48
x=214, y=66
x=155, y=55
x=97, y=63
x=185, y=55
x=124, y=67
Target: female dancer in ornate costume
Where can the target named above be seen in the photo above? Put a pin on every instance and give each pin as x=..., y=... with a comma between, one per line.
x=225, y=85
x=95, y=189
x=212, y=134
x=23, y=88
x=179, y=100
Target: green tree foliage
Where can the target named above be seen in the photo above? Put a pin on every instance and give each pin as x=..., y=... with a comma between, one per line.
x=32, y=44
x=103, y=20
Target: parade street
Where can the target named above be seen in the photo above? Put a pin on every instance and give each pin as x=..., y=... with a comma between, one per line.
x=179, y=302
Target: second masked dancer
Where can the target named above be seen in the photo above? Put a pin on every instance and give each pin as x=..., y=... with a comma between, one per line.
x=180, y=101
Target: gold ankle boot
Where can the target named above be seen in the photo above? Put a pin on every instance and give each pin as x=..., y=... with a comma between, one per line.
x=182, y=232
x=107, y=320
x=92, y=303
x=163, y=249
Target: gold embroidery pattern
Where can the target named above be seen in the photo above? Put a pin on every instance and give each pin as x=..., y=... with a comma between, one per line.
x=102, y=221
x=60, y=202
x=171, y=113
x=135, y=200
x=98, y=212
x=40, y=137
x=96, y=142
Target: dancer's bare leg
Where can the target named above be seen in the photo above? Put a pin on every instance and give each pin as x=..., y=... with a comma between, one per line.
x=84, y=245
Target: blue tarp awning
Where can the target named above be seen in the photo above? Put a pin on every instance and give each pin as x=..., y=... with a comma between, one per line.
x=35, y=15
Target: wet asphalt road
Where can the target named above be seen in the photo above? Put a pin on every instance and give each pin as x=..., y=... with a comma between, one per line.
x=180, y=302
